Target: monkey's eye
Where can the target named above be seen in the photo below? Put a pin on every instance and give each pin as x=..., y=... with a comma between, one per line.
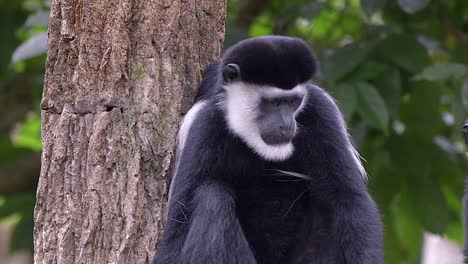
x=231, y=72
x=276, y=102
x=296, y=102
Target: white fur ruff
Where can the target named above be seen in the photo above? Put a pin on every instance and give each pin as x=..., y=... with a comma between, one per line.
x=241, y=106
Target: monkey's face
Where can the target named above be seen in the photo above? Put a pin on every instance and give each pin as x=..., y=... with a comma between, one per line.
x=264, y=117
x=276, y=117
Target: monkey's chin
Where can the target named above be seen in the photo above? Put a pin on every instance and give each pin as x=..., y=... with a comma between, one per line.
x=274, y=152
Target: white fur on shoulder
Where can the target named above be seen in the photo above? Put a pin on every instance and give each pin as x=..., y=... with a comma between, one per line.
x=183, y=135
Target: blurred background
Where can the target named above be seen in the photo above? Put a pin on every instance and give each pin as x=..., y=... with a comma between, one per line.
x=398, y=69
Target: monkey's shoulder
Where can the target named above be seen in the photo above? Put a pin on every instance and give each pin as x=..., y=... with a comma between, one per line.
x=208, y=127
x=320, y=107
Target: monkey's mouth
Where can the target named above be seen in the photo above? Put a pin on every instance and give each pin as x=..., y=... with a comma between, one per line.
x=278, y=138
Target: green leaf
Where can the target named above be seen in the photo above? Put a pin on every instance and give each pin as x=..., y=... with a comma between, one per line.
x=28, y=134
x=420, y=110
x=371, y=106
x=261, y=27
x=372, y=6
x=419, y=161
x=22, y=205
x=8, y=152
x=346, y=96
x=323, y=22
x=392, y=246
x=455, y=232
x=23, y=234
x=458, y=111
x=464, y=93
x=385, y=181
x=389, y=86
x=405, y=51
x=344, y=60
x=412, y=6
x=428, y=201
x=17, y=203
x=10, y=20
x=407, y=226
x=453, y=201
x=459, y=53
x=442, y=71
x=367, y=71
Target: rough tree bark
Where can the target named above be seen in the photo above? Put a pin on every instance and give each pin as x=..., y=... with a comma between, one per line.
x=119, y=74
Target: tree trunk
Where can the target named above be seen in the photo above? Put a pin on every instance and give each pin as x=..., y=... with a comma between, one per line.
x=119, y=75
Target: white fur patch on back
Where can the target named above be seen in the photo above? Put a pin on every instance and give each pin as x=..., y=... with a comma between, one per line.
x=241, y=106
x=183, y=135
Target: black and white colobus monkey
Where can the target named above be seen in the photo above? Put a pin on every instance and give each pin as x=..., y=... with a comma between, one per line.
x=266, y=172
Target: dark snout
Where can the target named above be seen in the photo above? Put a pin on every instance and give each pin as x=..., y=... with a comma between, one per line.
x=280, y=128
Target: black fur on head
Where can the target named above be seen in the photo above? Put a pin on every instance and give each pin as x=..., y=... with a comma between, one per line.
x=277, y=61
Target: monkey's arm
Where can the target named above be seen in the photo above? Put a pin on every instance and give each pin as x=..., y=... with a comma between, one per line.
x=350, y=220
x=337, y=187
x=202, y=227
x=215, y=234
x=355, y=231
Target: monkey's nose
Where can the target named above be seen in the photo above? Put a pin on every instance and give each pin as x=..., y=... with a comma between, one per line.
x=287, y=128
x=287, y=131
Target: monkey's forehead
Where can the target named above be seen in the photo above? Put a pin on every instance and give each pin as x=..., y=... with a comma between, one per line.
x=273, y=60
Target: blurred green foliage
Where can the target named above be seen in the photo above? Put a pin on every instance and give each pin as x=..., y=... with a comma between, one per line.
x=20, y=89
x=398, y=69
